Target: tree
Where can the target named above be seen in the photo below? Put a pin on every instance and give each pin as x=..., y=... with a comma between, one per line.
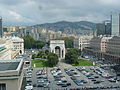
x=72, y=56
x=68, y=42
x=79, y=52
x=52, y=59
x=34, y=56
x=28, y=42
x=46, y=52
x=41, y=54
x=39, y=44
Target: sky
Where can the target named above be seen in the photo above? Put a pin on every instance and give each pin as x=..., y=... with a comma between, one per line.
x=31, y=12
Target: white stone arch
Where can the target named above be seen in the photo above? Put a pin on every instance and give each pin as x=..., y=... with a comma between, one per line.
x=60, y=44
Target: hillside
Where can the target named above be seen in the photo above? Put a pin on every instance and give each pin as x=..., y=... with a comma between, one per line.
x=68, y=27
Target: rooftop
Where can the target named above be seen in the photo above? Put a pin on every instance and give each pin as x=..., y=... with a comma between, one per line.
x=7, y=65
x=17, y=39
x=4, y=66
x=105, y=38
x=10, y=69
x=56, y=41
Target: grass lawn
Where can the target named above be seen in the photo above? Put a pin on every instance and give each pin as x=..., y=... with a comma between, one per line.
x=37, y=63
x=83, y=62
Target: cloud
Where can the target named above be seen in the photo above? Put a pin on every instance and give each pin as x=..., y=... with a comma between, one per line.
x=15, y=15
x=41, y=11
x=13, y=2
x=19, y=18
x=109, y=2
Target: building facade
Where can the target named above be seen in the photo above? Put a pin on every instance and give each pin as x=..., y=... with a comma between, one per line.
x=5, y=49
x=105, y=47
x=18, y=44
x=95, y=43
x=113, y=50
x=11, y=47
x=82, y=42
x=115, y=21
x=97, y=46
x=11, y=30
x=41, y=34
x=104, y=28
x=1, y=30
x=11, y=74
x=99, y=43
x=104, y=43
x=108, y=29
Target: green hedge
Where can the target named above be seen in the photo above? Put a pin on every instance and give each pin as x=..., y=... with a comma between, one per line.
x=83, y=62
x=39, y=63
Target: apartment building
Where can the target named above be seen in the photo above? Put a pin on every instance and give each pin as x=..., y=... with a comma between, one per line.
x=98, y=46
x=10, y=47
x=105, y=47
x=82, y=42
x=18, y=44
x=113, y=50
x=104, y=43
x=95, y=43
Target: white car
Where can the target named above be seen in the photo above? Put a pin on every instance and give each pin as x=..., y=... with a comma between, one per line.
x=40, y=81
x=105, y=74
x=77, y=75
x=29, y=88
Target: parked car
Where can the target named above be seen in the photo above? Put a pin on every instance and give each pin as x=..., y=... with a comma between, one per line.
x=112, y=80
x=97, y=82
x=96, y=76
x=78, y=82
x=93, y=80
x=46, y=85
x=29, y=88
x=91, y=77
x=73, y=78
x=40, y=85
x=60, y=83
x=34, y=85
x=63, y=84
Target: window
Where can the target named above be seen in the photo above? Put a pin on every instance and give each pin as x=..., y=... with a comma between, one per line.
x=2, y=86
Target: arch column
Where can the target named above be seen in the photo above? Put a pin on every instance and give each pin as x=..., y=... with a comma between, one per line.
x=61, y=53
x=54, y=50
x=64, y=53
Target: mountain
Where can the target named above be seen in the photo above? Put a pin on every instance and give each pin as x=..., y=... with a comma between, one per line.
x=66, y=26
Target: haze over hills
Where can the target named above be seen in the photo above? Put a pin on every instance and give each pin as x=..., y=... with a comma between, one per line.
x=69, y=27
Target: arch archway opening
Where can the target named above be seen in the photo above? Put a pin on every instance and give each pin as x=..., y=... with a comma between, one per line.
x=62, y=53
x=20, y=51
x=57, y=51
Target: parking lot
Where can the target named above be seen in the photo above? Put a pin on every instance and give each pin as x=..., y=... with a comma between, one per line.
x=60, y=78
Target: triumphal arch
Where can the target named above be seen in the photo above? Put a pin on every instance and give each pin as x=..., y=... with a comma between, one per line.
x=58, y=47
